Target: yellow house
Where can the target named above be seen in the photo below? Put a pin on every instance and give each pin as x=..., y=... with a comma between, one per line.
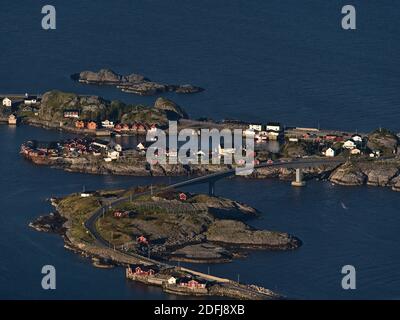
x=12, y=119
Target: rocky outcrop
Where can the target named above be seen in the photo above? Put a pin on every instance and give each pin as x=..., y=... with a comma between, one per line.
x=234, y=232
x=381, y=176
x=375, y=173
x=170, y=107
x=93, y=108
x=395, y=183
x=348, y=175
x=133, y=83
x=383, y=140
x=53, y=223
x=202, y=253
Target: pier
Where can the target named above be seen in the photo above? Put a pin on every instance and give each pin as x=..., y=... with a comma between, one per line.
x=299, y=182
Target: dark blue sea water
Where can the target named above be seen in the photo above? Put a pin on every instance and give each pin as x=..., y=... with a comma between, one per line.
x=288, y=61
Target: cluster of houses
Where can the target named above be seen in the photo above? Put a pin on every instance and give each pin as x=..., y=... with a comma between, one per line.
x=336, y=144
x=137, y=127
x=151, y=274
x=80, y=146
x=28, y=100
x=261, y=132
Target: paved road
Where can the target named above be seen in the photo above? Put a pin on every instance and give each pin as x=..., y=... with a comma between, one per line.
x=90, y=224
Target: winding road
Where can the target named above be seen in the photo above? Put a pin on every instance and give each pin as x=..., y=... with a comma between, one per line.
x=90, y=224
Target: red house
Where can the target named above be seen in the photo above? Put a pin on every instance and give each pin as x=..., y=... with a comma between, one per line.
x=118, y=128
x=140, y=272
x=142, y=240
x=193, y=284
x=182, y=196
x=140, y=128
x=120, y=214
x=330, y=137
x=92, y=125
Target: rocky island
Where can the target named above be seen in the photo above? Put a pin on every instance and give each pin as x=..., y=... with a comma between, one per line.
x=145, y=227
x=133, y=83
x=176, y=225
x=87, y=115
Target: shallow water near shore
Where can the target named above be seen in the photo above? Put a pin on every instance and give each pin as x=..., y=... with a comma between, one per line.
x=365, y=234
x=285, y=61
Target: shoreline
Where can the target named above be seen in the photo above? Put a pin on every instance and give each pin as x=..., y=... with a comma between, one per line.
x=105, y=257
x=384, y=172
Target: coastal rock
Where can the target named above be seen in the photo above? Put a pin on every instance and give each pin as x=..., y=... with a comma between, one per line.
x=396, y=184
x=237, y=233
x=147, y=88
x=188, y=88
x=203, y=252
x=381, y=176
x=170, y=107
x=53, y=223
x=348, y=175
x=133, y=83
x=105, y=76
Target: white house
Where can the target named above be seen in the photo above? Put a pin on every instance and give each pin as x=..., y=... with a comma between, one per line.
x=107, y=124
x=349, y=144
x=330, y=152
x=274, y=126
x=101, y=144
x=356, y=138
x=87, y=194
x=355, y=151
x=118, y=147
x=114, y=155
x=7, y=102
x=249, y=132
x=375, y=154
x=140, y=146
x=171, y=280
x=256, y=127
x=29, y=100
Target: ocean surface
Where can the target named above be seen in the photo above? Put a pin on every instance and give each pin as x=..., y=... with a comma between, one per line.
x=286, y=61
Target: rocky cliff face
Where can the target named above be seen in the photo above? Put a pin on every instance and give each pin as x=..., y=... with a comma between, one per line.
x=133, y=83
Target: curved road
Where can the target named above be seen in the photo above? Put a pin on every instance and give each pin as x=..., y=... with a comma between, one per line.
x=90, y=224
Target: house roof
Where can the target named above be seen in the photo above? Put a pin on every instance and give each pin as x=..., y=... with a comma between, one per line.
x=144, y=268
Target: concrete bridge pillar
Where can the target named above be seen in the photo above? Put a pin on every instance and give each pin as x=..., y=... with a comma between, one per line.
x=299, y=179
x=211, y=188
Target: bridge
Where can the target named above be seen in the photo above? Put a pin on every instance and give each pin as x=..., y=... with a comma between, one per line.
x=299, y=164
x=90, y=224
